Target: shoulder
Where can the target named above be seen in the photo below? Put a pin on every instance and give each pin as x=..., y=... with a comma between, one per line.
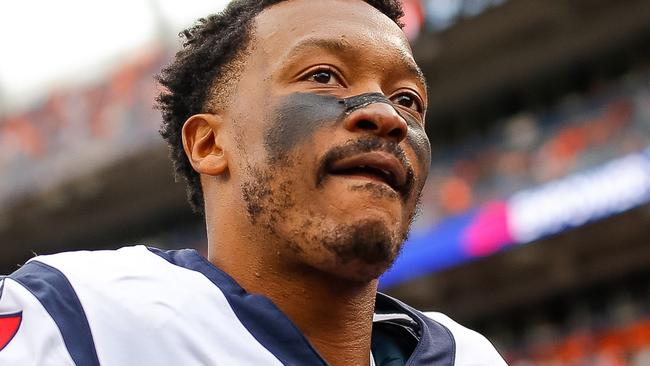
x=102, y=269
x=95, y=265
x=472, y=348
x=125, y=275
x=134, y=283
x=40, y=304
x=133, y=306
x=69, y=280
x=442, y=339
x=62, y=305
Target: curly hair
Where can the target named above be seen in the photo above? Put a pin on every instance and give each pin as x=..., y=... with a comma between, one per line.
x=204, y=71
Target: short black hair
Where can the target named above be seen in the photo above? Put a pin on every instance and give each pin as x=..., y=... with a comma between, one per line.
x=204, y=65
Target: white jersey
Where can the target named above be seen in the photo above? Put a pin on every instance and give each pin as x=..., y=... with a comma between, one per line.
x=144, y=306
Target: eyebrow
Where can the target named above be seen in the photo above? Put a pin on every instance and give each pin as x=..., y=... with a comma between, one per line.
x=414, y=69
x=339, y=46
x=330, y=44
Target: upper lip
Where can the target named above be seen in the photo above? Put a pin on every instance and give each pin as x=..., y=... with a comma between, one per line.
x=384, y=165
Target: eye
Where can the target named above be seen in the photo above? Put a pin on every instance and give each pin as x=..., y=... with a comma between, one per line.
x=408, y=100
x=324, y=76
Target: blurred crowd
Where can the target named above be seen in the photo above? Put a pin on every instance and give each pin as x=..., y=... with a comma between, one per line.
x=620, y=346
x=532, y=148
x=613, y=329
x=442, y=14
x=438, y=15
x=76, y=130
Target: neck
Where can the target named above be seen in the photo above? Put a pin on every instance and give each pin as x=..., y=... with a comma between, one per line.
x=335, y=315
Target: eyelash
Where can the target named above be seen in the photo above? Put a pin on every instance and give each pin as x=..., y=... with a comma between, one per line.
x=416, y=100
x=327, y=69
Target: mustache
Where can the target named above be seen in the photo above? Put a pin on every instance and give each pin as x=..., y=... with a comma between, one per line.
x=364, y=145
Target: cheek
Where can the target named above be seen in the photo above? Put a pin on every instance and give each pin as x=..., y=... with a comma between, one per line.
x=296, y=118
x=418, y=140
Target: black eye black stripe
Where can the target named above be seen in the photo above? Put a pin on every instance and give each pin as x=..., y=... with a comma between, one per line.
x=363, y=100
x=298, y=116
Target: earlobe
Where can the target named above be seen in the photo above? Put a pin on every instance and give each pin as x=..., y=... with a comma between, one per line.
x=202, y=144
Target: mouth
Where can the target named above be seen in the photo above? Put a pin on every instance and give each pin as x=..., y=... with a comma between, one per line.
x=376, y=166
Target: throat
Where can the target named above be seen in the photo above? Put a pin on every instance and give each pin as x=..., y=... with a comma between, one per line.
x=335, y=319
x=335, y=315
x=340, y=329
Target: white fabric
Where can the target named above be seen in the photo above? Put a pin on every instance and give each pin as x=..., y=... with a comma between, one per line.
x=384, y=317
x=144, y=311
x=472, y=348
x=38, y=341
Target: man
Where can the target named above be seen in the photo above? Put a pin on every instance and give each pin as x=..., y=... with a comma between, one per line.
x=299, y=127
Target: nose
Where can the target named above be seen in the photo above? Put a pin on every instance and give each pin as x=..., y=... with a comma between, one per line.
x=380, y=119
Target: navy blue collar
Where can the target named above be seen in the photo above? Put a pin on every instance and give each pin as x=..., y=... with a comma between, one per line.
x=278, y=334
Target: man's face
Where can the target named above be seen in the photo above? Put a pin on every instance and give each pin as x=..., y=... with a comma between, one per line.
x=328, y=124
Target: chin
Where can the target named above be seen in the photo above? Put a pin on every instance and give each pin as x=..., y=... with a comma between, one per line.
x=359, y=271
x=361, y=250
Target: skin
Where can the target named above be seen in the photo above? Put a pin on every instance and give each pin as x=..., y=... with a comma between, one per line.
x=312, y=242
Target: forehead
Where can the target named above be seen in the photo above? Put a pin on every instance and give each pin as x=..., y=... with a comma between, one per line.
x=338, y=23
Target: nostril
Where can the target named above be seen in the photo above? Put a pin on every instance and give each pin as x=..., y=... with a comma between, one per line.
x=396, y=133
x=366, y=125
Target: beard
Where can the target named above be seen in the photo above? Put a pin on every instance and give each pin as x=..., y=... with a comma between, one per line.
x=359, y=250
x=367, y=241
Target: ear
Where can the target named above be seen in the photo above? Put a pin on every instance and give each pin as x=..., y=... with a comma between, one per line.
x=202, y=143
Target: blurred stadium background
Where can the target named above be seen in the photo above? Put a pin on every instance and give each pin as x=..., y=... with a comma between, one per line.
x=535, y=223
